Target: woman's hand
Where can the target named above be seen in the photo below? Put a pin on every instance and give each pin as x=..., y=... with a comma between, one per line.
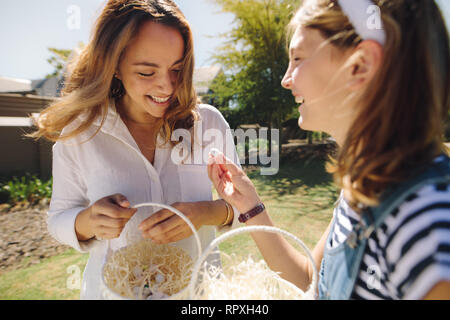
x=232, y=184
x=105, y=219
x=165, y=226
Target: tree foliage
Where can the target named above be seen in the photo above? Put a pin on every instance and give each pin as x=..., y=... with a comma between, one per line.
x=59, y=59
x=255, y=58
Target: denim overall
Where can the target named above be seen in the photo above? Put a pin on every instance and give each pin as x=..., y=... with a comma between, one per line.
x=341, y=265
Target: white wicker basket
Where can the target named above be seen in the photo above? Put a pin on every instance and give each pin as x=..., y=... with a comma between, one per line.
x=199, y=266
x=109, y=294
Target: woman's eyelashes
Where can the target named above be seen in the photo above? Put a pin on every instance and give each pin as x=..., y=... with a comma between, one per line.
x=147, y=75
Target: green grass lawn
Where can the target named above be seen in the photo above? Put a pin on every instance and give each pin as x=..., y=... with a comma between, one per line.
x=47, y=280
x=299, y=199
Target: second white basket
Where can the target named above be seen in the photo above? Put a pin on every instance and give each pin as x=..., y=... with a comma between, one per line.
x=311, y=293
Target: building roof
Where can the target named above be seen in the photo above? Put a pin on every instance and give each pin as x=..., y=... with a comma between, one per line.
x=13, y=85
x=203, y=78
x=50, y=87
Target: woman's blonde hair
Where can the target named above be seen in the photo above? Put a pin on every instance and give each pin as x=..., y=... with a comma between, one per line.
x=400, y=122
x=90, y=86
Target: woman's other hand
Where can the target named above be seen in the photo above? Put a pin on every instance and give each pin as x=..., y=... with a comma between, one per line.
x=105, y=219
x=231, y=183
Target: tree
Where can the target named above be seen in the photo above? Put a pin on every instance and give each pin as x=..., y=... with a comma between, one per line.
x=60, y=58
x=255, y=58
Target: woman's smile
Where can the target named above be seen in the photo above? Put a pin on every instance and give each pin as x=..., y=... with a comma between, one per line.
x=159, y=100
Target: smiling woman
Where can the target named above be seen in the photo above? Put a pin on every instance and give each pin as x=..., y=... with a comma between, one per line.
x=127, y=92
x=149, y=70
x=146, y=29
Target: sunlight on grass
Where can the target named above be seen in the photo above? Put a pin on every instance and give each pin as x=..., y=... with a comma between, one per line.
x=47, y=280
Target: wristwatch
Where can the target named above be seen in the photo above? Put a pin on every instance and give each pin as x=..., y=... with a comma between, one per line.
x=244, y=217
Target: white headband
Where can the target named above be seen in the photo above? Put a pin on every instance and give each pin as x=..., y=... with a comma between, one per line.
x=365, y=17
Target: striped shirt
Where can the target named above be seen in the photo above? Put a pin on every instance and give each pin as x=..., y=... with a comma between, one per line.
x=409, y=253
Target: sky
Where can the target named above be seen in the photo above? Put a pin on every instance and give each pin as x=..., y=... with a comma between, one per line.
x=29, y=27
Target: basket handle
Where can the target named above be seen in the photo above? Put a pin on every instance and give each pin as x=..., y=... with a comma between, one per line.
x=195, y=272
x=178, y=213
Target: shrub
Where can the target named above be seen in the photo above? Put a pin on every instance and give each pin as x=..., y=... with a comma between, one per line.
x=26, y=188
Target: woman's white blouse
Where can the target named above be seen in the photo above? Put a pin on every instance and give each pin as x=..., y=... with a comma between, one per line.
x=86, y=170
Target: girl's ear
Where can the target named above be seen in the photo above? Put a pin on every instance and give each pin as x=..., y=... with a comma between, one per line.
x=366, y=62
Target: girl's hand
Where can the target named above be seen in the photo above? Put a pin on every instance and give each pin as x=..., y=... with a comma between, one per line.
x=165, y=226
x=107, y=217
x=231, y=183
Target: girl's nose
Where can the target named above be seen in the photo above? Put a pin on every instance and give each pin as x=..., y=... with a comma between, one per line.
x=286, y=82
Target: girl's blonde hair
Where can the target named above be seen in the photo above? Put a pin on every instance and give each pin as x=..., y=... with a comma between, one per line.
x=400, y=122
x=91, y=87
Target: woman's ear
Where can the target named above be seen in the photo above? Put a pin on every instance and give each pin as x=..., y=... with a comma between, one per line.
x=367, y=60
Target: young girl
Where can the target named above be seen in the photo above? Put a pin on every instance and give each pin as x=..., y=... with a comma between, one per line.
x=374, y=75
x=129, y=92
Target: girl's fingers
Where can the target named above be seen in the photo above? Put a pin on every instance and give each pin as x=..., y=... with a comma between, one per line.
x=214, y=173
x=223, y=183
x=227, y=165
x=209, y=168
x=232, y=183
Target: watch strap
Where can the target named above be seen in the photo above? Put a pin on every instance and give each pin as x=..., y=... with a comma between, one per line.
x=244, y=217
